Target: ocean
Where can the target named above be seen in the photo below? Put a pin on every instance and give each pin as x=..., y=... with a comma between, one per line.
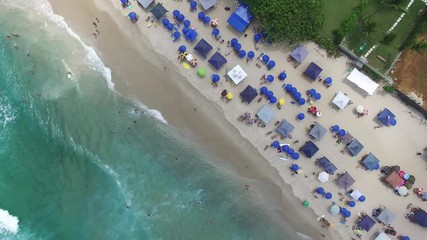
x=80, y=161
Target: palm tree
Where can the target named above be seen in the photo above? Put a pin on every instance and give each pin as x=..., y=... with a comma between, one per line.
x=386, y=4
x=419, y=47
x=369, y=28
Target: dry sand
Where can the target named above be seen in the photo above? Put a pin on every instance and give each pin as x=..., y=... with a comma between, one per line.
x=396, y=145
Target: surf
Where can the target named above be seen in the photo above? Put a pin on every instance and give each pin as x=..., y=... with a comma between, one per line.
x=8, y=222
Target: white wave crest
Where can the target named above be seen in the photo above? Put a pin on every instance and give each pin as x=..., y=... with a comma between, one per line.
x=8, y=222
x=7, y=114
x=152, y=112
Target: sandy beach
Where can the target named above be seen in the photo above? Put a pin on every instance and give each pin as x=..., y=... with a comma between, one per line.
x=194, y=106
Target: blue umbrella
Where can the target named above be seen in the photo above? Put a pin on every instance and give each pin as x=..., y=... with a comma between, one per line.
x=343, y=211
x=176, y=13
x=176, y=35
x=393, y=122
x=264, y=90
x=341, y=132
x=215, y=32
x=257, y=37
x=335, y=128
x=312, y=92
x=301, y=101
x=288, y=87
x=285, y=148
x=237, y=47
x=180, y=17
x=270, y=78
x=347, y=214
x=187, y=23
x=182, y=48
x=294, y=167
x=351, y=203
x=251, y=54
x=265, y=58
x=300, y=116
x=320, y=190
x=275, y=144
x=271, y=64
x=242, y=53
x=328, y=195
x=207, y=19
x=132, y=16
x=295, y=156
x=124, y=1
x=201, y=16
x=293, y=90
x=328, y=80
x=233, y=42
x=291, y=151
x=282, y=76
x=272, y=99
x=215, y=77
x=405, y=238
x=297, y=95
x=169, y=26
x=317, y=96
x=362, y=198
x=165, y=22
x=185, y=30
x=193, y=5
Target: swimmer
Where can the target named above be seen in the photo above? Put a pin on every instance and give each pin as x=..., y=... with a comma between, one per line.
x=128, y=206
x=69, y=75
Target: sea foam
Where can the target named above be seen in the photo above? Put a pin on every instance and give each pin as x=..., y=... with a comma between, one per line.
x=8, y=222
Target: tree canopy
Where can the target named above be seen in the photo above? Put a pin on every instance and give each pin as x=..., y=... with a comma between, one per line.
x=292, y=21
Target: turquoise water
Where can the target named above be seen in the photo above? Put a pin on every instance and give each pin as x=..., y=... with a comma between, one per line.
x=73, y=153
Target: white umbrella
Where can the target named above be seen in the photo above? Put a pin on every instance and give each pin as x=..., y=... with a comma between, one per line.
x=402, y=190
x=323, y=177
x=189, y=57
x=360, y=109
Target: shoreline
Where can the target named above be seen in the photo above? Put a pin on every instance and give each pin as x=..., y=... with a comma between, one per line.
x=190, y=122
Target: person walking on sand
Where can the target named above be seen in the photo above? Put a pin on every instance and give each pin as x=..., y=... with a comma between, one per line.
x=94, y=24
x=97, y=20
x=94, y=35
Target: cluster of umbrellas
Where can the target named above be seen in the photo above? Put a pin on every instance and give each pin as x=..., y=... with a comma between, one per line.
x=321, y=191
x=336, y=129
x=179, y=16
x=312, y=93
x=170, y=26
x=270, y=95
x=270, y=63
x=206, y=19
x=295, y=94
x=335, y=210
x=285, y=148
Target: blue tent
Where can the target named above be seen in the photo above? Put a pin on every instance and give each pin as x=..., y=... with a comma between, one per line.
x=265, y=114
x=366, y=223
x=354, y=147
x=203, y=48
x=248, y=94
x=331, y=168
x=318, y=131
x=313, y=71
x=327, y=165
x=191, y=35
x=420, y=217
x=285, y=128
x=217, y=60
x=385, y=116
x=309, y=149
x=241, y=18
x=206, y=4
x=158, y=11
x=299, y=54
x=371, y=162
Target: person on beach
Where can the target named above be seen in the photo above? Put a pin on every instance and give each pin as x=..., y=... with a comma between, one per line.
x=94, y=24
x=94, y=35
x=97, y=20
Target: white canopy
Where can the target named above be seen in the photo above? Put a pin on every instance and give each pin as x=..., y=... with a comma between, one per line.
x=382, y=236
x=341, y=100
x=356, y=194
x=237, y=74
x=145, y=3
x=362, y=81
x=323, y=177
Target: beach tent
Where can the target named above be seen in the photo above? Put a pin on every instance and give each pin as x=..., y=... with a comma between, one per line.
x=237, y=74
x=323, y=161
x=191, y=35
x=145, y=3
x=345, y=181
x=313, y=71
x=217, y=60
x=285, y=128
x=203, y=48
x=206, y=4
x=362, y=81
x=158, y=11
x=371, y=162
x=299, y=54
x=386, y=116
x=394, y=179
x=318, y=131
x=386, y=216
x=354, y=147
x=241, y=18
x=248, y=94
x=382, y=236
x=331, y=168
x=420, y=217
x=265, y=114
x=356, y=194
x=366, y=223
x=309, y=149
x=341, y=100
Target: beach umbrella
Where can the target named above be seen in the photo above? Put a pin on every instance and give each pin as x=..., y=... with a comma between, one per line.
x=180, y=17
x=257, y=37
x=270, y=78
x=320, y=190
x=269, y=94
x=306, y=203
x=351, y=203
x=402, y=190
x=411, y=179
x=295, y=156
x=265, y=58
x=347, y=214
x=288, y=87
x=294, y=167
x=405, y=238
x=193, y=62
x=285, y=148
x=201, y=16
x=328, y=80
x=187, y=23
x=341, y=132
x=124, y=1
x=169, y=26
x=362, y=198
x=183, y=55
x=343, y=210
x=335, y=128
x=293, y=90
x=328, y=195
x=282, y=76
x=297, y=95
x=215, y=77
x=214, y=22
x=233, y=42
x=176, y=13
x=323, y=177
x=182, y=48
x=311, y=92
x=165, y=22
x=271, y=64
x=215, y=32
x=251, y=54
x=237, y=47
x=242, y=53
x=132, y=16
x=300, y=116
x=317, y=96
x=291, y=151
x=272, y=99
x=201, y=72
x=301, y=101
x=207, y=19
x=275, y=144
x=393, y=122
x=264, y=90
x=229, y=96
x=176, y=35
x=335, y=209
x=193, y=5
x=185, y=30
x=282, y=101
x=189, y=57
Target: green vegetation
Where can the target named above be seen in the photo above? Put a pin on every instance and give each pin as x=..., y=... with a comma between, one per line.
x=388, y=38
x=420, y=27
x=349, y=23
x=389, y=88
x=336, y=12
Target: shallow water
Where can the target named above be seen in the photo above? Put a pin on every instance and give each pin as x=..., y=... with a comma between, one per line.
x=74, y=153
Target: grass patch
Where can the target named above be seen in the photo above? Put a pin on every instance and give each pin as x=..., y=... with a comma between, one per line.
x=336, y=11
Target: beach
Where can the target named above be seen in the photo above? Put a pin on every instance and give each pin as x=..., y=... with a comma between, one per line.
x=194, y=107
